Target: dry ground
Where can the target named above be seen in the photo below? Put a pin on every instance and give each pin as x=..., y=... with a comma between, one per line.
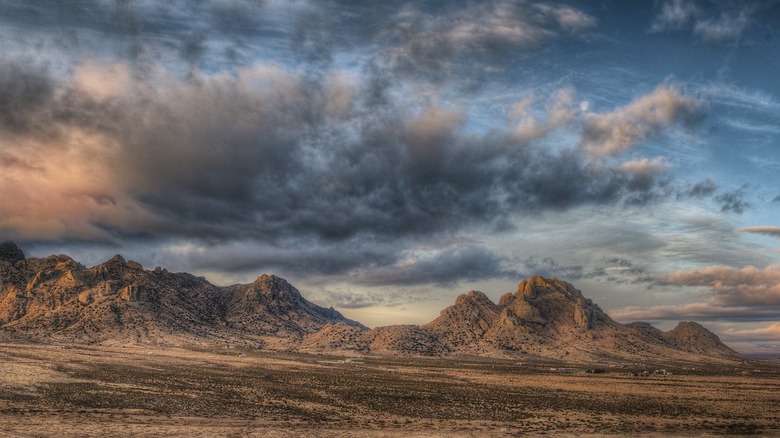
x=64, y=391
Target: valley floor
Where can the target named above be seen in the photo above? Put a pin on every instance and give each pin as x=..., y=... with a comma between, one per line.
x=69, y=391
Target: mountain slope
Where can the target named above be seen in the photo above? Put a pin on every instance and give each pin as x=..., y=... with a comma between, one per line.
x=118, y=301
x=545, y=317
x=57, y=298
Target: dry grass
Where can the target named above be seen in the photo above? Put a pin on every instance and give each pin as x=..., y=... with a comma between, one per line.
x=48, y=390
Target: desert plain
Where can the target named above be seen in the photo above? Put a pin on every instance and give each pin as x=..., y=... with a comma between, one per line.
x=225, y=390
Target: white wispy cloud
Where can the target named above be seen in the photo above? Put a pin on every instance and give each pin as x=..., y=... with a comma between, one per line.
x=709, y=22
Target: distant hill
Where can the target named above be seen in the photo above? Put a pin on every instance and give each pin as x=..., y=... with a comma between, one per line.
x=57, y=299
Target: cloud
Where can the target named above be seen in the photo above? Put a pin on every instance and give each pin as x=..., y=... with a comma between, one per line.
x=549, y=267
x=766, y=230
x=770, y=332
x=25, y=91
x=697, y=312
x=291, y=258
x=702, y=189
x=265, y=153
x=618, y=131
x=727, y=294
x=726, y=27
x=443, y=268
x=734, y=201
x=143, y=32
x=622, y=271
x=423, y=42
x=348, y=299
x=560, y=110
x=732, y=287
x=674, y=15
x=714, y=22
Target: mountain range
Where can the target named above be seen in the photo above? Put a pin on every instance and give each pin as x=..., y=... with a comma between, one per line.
x=57, y=299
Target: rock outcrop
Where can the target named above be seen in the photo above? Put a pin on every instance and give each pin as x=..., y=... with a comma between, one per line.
x=545, y=317
x=10, y=253
x=57, y=298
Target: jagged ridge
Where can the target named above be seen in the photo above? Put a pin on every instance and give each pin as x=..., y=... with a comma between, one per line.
x=118, y=301
x=545, y=317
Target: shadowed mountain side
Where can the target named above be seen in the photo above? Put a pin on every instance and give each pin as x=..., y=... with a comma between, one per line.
x=118, y=301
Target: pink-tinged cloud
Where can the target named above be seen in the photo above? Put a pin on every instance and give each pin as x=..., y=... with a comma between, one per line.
x=560, y=110
x=769, y=332
x=618, y=131
x=766, y=230
x=267, y=153
x=729, y=294
x=731, y=287
x=695, y=311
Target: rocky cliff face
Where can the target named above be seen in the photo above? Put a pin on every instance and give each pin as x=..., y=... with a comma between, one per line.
x=57, y=298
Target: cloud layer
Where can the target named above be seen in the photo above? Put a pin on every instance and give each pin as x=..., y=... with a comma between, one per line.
x=711, y=21
x=728, y=294
x=269, y=154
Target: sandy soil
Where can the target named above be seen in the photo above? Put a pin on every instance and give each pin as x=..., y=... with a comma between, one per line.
x=69, y=391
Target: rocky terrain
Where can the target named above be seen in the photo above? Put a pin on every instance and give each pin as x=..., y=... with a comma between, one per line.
x=56, y=298
x=545, y=317
x=118, y=302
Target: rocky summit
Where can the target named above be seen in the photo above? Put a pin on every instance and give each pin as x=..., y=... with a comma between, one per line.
x=544, y=318
x=58, y=299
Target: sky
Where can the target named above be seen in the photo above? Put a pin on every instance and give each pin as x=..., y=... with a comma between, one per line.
x=385, y=157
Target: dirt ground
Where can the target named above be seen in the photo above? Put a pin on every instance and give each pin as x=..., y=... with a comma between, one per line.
x=69, y=391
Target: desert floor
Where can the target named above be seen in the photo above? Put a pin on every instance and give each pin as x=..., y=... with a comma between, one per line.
x=64, y=391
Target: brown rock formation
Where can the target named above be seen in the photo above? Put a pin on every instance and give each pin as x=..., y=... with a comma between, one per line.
x=56, y=298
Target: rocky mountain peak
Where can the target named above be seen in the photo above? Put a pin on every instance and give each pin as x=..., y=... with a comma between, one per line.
x=11, y=253
x=689, y=332
x=693, y=337
x=537, y=286
x=506, y=299
x=473, y=297
x=275, y=287
x=57, y=298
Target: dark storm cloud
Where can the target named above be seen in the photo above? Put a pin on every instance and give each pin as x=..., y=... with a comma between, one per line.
x=267, y=154
x=294, y=258
x=25, y=92
x=320, y=158
x=371, y=264
x=445, y=268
